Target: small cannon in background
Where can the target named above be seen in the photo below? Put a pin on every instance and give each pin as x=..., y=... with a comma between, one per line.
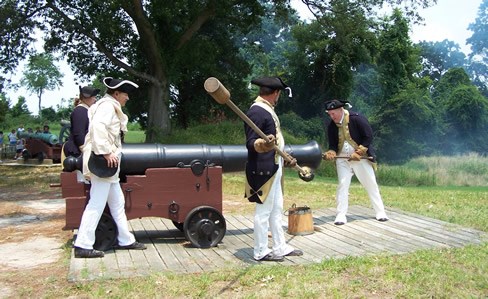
x=182, y=183
x=41, y=146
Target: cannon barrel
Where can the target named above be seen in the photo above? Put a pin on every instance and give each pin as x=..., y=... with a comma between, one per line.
x=137, y=157
x=46, y=137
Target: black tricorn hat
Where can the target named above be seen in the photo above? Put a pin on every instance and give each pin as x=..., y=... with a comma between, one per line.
x=97, y=165
x=270, y=82
x=335, y=104
x=88, y=91
x=120, y=85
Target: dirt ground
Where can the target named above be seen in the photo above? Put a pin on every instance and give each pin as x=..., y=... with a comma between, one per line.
x=33, y=246
x=35, y=250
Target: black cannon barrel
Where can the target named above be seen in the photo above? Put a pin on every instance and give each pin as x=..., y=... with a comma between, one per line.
x=137, y=157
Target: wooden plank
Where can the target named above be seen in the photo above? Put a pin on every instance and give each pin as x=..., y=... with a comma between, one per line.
x=153, y=260
x=312, y=250
x=376, y=242
x=235, y=243
x=110, y=265
x=77, y=268
x=176, y=245
x=362, y=235
x=427, y=234
x=454, y=231
x=400, y=235
x=199, y=256
x=161, y=242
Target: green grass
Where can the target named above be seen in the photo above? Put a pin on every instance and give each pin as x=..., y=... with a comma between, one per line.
x=452, y=189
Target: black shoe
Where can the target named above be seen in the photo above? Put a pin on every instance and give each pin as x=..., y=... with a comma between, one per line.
x=383, y=219
x=88, y=253
x=339, y=223
x=296, y=252
x=270, y=257
x=135, y=246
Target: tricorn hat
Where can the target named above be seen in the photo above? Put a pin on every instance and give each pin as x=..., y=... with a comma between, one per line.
x=336, y=104
x=271, y=82
x=88, y=91
x=120, y=85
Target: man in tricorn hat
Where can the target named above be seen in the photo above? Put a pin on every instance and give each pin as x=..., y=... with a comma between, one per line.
x=350, y=145
x=107, y=125
x=264, y=172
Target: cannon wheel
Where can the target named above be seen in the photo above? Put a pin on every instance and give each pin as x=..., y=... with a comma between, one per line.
x=106, y=233
x=178, y=225
x=204, y=227
x=41, y=156
x=64, y=133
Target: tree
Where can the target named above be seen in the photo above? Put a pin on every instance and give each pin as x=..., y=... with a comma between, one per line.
x=4, y=104
x=41, y=74
x=438, y=57
x=464, y=113
x=158, y=44
x=20, y=108
x=144, y=41
x=479, y=49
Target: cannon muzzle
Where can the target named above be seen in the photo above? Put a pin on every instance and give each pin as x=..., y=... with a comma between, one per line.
x=137, y=157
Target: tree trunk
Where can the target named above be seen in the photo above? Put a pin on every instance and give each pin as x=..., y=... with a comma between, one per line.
x=39, y=97
x=158, y=123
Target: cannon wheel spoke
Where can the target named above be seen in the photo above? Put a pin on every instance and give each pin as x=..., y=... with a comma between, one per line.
x=106, y=233
x=204, y=227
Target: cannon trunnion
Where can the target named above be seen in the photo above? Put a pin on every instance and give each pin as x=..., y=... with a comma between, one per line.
x=182, y=183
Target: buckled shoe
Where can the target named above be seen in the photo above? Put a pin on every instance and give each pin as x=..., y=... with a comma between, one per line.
x=135, y=246
x=88, y=253
x=270, y=257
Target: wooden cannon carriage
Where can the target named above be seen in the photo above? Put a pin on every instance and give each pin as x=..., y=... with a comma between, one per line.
x=41, y=146
x=182, y=183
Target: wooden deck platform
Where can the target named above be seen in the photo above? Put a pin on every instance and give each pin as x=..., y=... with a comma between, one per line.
x=168, y=251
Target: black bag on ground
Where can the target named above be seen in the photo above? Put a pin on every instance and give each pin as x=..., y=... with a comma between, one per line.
x=97, y=165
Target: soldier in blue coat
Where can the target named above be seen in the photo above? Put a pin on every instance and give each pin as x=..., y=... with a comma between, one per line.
x=350, y=145
x=264, y=171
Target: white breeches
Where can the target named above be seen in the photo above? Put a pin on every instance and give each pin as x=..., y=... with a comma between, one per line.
x=269, y=216
x=365, y=173
x=102, y=193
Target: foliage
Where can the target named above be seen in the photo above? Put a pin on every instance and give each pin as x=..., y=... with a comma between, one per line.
x=40, y=75
x=20, y=108
x=4, y=106
x=402, y=123
x=438, y=57
x=397, y=58
x=225, y=133
x=479, y=45
x=346, y=52
x=311, y=129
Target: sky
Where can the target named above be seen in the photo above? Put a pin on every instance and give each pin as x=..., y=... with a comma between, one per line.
x=448, y=19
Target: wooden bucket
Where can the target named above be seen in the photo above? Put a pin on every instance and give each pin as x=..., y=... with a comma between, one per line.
x=300, y=221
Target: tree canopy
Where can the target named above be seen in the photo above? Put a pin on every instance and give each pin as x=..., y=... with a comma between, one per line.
x=41, y=74
x=347, y=51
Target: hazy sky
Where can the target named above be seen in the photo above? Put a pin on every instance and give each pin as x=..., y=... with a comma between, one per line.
x=449, y=19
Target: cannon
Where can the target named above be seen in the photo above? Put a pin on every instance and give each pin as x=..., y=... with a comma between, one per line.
x=182, y=183
x=41, y=146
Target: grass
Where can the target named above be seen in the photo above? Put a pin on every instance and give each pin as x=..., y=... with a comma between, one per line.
x=452, y=189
